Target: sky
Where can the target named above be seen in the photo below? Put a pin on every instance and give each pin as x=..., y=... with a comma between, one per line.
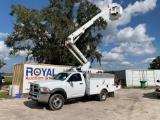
x=131, y=42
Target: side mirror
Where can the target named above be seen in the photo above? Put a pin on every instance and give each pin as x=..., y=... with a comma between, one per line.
x=158, y=81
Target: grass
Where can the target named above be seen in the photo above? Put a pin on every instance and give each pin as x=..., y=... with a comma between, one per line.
x=8, y=80
x=4, y=95
x=4, y=92
x=139, y=87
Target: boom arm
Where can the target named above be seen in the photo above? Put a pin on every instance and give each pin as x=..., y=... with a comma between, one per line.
x=114, y=14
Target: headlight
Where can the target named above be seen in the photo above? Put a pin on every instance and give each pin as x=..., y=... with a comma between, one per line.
x=44, y=90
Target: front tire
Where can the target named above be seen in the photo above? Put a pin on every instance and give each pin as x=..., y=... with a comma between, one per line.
x=103, y=95
x=56, y=102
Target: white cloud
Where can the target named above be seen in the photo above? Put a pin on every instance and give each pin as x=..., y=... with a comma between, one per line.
x=135, y=49
x=148, y=60
x=3, y=35
x=137, y=34
x=24, y=43
x=123, y=65
x=7, y=68
x=141, y=7
x=112, y=57
x=132, y=41
x=138, y=8
x=4, y=51
x=22, y=53
x=6, y=58
x=126, y=63
x=101, y=3
x=112, y=34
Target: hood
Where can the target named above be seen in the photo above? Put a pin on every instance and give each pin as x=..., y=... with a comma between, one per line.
x=44, y=83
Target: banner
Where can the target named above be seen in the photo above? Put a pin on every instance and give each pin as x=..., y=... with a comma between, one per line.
x=40, y=72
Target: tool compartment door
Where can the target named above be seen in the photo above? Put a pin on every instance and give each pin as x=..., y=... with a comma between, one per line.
x=98, y=81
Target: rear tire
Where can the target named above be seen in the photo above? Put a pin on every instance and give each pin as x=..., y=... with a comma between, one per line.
x=103, y=95
x=56, y=102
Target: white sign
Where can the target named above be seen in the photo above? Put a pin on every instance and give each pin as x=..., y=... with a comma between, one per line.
x=39, y=72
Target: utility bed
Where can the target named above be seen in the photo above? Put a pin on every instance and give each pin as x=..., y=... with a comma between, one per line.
x=96, y=81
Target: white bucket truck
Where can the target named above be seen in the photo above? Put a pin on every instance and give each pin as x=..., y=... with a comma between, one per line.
x=67, y=85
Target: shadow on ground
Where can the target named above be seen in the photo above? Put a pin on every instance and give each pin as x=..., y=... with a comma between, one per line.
x=37, y=105
x=151, y=95
x=78, y=100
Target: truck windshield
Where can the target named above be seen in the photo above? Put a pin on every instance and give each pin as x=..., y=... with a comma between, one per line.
x=61, y=76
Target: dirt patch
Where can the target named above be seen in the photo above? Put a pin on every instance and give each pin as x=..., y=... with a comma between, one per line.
x=128, y=104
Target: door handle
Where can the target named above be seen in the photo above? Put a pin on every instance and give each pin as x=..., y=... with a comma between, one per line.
x=81, y=83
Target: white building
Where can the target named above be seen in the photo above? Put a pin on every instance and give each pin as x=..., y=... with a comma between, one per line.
x=131, y=78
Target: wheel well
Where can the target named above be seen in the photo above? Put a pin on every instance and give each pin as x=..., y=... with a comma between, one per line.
x=105, y=90
x=59, y=92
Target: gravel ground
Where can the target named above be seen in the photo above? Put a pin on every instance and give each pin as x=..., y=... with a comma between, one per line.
x=128, y=104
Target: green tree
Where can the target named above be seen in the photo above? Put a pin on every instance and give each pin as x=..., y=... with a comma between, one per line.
x=43, y=32
x=85, y=13
x=155, y=64
x=2, y=64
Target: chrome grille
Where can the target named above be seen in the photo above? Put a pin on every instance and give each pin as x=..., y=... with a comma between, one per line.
x=34, y=87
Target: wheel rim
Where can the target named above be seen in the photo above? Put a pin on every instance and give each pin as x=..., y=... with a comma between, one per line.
x=103, y=96
x=57, y=102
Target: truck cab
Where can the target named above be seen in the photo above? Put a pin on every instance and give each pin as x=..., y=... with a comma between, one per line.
x=67, y=84
x=71, y=83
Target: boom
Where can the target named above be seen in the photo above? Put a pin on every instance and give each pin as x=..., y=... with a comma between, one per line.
x=114, y=13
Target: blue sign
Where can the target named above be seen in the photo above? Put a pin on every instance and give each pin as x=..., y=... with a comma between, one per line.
x=30, y=71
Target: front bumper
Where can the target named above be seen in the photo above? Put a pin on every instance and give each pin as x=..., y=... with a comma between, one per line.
x=39, y=97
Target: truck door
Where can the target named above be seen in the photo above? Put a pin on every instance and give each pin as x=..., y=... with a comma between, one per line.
x=75, y=86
